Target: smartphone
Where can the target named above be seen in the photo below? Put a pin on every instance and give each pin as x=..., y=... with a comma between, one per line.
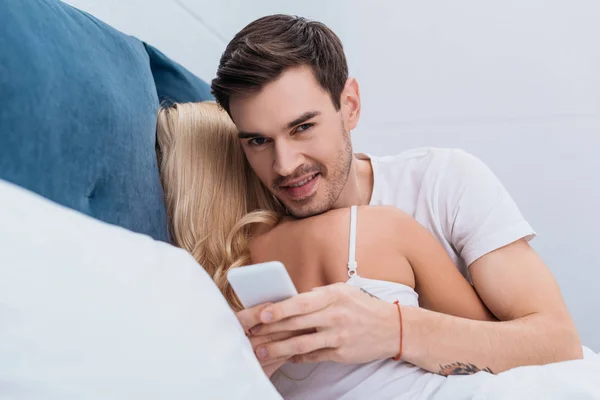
x=267, y=282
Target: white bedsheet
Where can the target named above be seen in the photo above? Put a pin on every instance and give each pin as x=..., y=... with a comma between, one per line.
x=572, y=380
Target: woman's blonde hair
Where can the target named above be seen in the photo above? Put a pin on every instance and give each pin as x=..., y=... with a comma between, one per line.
x=213, y=197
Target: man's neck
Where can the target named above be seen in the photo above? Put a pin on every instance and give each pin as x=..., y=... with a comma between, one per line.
x=359, y=186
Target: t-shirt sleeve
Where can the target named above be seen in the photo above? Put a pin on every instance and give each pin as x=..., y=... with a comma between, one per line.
x=480, y=214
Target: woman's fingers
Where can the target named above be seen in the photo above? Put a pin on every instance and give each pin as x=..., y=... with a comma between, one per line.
x=302, y=304
x=296, y=345
x=298, y=323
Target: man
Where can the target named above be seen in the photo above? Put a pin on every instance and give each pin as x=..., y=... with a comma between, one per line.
x=284, y=82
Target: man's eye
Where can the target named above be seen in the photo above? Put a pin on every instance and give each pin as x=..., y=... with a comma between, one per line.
x=303, y=127
x=258, y=141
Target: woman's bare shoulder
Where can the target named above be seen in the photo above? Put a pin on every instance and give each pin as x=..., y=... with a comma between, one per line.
x=313, y=249
x=375, y=219
x=380, y=243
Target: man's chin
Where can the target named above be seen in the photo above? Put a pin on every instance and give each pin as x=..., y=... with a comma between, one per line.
x=307, y=210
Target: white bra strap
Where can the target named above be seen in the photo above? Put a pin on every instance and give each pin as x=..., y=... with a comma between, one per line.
x=352, y=252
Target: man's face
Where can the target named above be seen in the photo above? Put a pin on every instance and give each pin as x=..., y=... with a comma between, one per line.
x=296, y=141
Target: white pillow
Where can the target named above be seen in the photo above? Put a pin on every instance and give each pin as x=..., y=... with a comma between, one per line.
x=89, y=310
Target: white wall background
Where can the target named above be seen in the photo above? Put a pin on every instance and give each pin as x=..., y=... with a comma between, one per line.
x=516, y=82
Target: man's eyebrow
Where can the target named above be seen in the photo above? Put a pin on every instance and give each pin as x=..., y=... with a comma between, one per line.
x=303, y=118
x=248, y=135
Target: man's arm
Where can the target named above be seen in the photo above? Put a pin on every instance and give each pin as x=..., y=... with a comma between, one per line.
x=356, y=328
x=518, y=288
x=488, y=231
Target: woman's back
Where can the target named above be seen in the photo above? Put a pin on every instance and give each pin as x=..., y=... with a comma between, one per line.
x=320, y=251
x=315, y=250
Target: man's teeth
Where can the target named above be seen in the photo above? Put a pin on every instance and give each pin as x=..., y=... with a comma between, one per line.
x=304, y=182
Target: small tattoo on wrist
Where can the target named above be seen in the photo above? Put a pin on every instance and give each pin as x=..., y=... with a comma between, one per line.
x=459, y=368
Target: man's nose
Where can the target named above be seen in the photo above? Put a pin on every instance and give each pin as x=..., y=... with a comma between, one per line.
x=287, y=159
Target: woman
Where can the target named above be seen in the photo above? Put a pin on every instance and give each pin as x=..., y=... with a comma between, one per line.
x=222, y=214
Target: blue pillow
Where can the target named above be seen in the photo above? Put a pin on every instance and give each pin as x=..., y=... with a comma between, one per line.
x=78, y=120
x=173, y=82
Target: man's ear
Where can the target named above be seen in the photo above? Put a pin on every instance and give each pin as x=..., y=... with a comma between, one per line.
x=350, y=103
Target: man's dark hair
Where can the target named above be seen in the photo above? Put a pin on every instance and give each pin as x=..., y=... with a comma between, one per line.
x=265, y=48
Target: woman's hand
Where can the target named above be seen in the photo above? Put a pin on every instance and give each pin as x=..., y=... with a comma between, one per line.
x=270, y=365
x=337, y=323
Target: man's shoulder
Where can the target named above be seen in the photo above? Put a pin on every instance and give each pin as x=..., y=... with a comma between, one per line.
x=420, y=176
x=423, y=159
x=422, y=154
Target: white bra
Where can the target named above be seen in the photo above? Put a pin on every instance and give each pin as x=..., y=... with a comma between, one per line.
x=385, y=290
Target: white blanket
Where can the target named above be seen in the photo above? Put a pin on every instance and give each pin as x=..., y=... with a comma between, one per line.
x=93, y=311
x=572, y=380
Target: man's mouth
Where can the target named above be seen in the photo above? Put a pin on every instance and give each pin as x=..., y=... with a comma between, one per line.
x=303, y=182
x=301, y=189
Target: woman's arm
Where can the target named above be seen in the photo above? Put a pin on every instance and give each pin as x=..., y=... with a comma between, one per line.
x=439, y=283
x=393, y=246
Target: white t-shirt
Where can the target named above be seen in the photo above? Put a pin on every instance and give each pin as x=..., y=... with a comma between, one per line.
x=455, y=196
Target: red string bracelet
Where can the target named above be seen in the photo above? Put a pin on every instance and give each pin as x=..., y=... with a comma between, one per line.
x=399, y=317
